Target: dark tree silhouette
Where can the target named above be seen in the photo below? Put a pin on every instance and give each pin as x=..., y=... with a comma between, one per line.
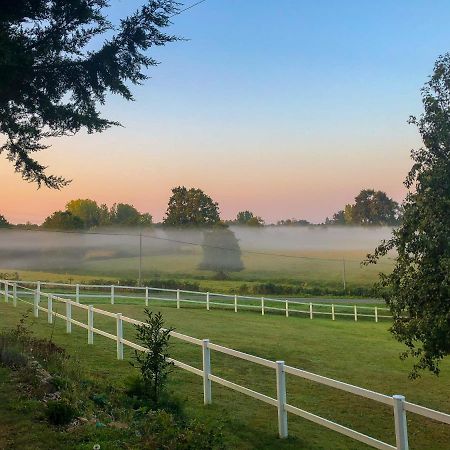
x=191, y=207
x=53, y=74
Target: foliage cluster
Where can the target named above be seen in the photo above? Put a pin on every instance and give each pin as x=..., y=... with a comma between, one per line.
x=60, y=60
x=370, y=208
x=418, y=289
x=191, y=207
x=87, y=214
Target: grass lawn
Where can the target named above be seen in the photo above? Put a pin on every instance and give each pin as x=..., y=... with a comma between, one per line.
x=360, y=353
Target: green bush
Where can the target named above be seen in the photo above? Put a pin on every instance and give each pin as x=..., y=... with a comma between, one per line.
x=160, y=430
x=60, y=412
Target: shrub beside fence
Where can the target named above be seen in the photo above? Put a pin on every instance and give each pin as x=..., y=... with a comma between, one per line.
x=181, y=297
x=15, y=291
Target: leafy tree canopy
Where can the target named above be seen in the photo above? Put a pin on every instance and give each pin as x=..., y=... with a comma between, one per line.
x=63, y=220
x=248, y=218
x=128, y=215
x=3, y=222
x=418, y=289
x=243, y=217
x=221, y=251
x=370, y=208
x=59, y=60
x=191, y=207
x=293, y=222
x=87, y=210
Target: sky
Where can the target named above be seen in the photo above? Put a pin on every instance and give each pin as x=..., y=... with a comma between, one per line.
x=285, y=108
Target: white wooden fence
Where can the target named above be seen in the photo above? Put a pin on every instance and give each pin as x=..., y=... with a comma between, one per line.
x=14, y=291
x=263, y=305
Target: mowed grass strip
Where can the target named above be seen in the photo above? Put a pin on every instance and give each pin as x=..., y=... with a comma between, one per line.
x=360, y=353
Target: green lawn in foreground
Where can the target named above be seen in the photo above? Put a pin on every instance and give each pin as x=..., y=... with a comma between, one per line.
x=360, y=353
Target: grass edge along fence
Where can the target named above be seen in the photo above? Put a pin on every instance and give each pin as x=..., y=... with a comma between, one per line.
x=397, y=402
x=237, y=302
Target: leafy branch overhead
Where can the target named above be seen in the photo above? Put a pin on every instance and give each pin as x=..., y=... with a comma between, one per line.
x=418, y=289
x=52, y=78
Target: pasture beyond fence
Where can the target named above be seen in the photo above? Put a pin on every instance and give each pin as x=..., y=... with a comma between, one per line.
x=16, y=291
x=179, y=297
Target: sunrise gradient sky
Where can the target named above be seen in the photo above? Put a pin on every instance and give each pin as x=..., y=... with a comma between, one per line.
x=285, y=108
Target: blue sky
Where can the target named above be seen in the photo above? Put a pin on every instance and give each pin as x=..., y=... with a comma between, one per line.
x=285, y=108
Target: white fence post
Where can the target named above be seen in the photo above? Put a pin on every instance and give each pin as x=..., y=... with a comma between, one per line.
x=146, y=296
x=68, y=317
x=332, y=312
x=77, y=293
x=310, y=311
x=207, y=301
x=262, y=305
x=112, y=295
x=14, y=294
x=376, y=313
x=356, y=314
x=207, y=397
x=36, y=305
x=235, y=302
x=38, y=292
x=119, y=336
x=281, y=401
x=401, y=428
x=6, y=291
x=287, y=308
x=178, y=299
x=50, y=308
x=90, y=324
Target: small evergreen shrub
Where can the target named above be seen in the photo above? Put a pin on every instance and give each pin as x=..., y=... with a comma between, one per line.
x=60, y=412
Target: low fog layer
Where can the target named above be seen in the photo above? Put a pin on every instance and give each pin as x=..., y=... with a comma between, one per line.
x=41, y=250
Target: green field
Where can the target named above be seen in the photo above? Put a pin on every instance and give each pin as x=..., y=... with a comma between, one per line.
x=360, y=353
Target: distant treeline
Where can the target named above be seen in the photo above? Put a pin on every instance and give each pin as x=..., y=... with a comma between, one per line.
x=193, y=208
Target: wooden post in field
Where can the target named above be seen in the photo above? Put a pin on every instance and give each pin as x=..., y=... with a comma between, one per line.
x=235, y=302
x=207, y=301
x=332, y=312
x=344, y=281
x=119, y=336
x=376, y=313
x=178, y=299
x=356, y=314
x=401, y=428
x=14, y=294
x=112, y=294
x=262, y=306
x=68, y=317
x=90, y=324
x=77, y=293
x=287, y=308
x=6, y=292
x=281, y=401
x=310, y=311
x=146, y=296
x=50, y=308
x=207, y=396
x=35, y=305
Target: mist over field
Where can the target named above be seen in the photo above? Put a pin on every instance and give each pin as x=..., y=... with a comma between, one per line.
x=42, y=250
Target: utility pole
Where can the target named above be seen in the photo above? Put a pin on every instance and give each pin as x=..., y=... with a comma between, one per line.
x=343, y=273
x=140, y=258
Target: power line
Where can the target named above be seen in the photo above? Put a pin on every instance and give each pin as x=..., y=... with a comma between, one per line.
x=187, y=8
x=178, y=241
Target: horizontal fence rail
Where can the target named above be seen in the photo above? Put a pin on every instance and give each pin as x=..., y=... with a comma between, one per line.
x=14, y=292
x=263, y=305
